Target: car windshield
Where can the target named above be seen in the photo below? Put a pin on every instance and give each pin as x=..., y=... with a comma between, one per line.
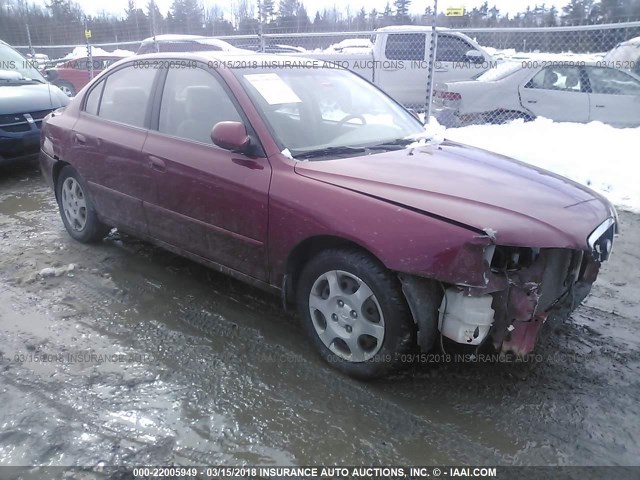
x=15, y=67
x=499, y=72
x=326, y=110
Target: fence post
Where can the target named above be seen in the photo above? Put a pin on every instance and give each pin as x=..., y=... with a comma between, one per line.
x=432, y=63
x=31, y=49
x=260, y=30
x=87, y=35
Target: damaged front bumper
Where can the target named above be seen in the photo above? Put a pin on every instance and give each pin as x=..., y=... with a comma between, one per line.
x=520, y=287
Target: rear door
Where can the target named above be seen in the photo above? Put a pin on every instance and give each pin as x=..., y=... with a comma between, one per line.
x=107, y=146
x=557, y=93
x=210, y=202
x=615, y=96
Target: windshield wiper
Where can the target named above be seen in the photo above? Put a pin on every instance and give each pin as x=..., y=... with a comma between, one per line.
x=398, y=142
x=323, y=152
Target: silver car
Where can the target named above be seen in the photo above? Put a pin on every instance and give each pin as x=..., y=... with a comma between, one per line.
x=577, y=91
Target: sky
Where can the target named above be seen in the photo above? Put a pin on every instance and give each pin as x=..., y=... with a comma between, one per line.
x=117, y=7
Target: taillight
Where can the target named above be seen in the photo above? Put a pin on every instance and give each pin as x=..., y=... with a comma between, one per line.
x=448, y=95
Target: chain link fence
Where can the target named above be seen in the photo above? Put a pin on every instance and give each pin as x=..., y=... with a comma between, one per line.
x=480, y=75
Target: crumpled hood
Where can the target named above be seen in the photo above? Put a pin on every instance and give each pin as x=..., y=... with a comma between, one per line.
x=23, y=98
x=515, y=203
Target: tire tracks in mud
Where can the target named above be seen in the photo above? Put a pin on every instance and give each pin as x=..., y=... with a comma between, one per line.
x=242, y=342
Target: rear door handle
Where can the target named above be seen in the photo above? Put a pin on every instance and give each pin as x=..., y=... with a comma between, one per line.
x=157, y=164
x=81, y=139
x=532, y=101
x=600, y=106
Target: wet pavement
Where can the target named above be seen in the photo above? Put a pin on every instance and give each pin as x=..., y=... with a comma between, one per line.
x=122, y=353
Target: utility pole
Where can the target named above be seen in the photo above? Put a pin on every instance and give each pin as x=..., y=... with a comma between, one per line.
x=432, y=62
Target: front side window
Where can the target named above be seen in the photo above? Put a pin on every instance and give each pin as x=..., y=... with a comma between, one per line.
x=405, y=46
x=557, y=78
x=126, y=96
x=610, y=81
x=193, y=101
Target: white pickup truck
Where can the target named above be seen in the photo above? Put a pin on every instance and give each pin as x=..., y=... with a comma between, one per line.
x=398, y=60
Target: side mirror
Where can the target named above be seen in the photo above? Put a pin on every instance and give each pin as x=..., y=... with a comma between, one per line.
x=230, y=136
x=474, y=56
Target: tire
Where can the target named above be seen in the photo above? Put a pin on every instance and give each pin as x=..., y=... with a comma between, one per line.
x=66, y=87
x=77, y=208
x=355, y=314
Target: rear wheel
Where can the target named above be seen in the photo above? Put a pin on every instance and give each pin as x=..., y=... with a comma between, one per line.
x=77, y=209
x=355, y=313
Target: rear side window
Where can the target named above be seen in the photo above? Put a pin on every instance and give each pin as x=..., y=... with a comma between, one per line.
x=126, y=96
x=93, y=99
x=405, y=46
x=557, y=78
x=452, y=49
x=610, y=81
x=193, y=101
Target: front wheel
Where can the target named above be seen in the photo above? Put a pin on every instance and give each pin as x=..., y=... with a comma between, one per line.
x=77, y=209
x=66, y=87
x=355, y=313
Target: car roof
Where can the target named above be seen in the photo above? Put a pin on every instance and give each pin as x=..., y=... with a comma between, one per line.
x=238, y=55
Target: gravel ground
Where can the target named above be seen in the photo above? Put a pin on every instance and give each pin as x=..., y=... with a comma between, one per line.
x=124, y=354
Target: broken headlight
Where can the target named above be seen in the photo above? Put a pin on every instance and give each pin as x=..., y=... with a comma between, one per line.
x=513, y=258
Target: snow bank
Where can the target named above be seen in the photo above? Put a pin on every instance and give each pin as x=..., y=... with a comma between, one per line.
x=512, y=54
x=604, y=158
x=81, y=52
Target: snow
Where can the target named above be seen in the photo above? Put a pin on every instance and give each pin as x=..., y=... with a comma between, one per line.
x=512, y=54
x=599, y=156
x=81, y=52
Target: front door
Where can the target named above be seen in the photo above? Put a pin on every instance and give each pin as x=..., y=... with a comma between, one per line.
x=210, y=201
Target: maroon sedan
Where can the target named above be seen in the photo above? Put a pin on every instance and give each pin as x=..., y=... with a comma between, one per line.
x=308, y=181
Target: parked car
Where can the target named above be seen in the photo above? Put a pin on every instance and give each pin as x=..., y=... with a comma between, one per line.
x=625, y=55
x=25, y=99
x=71, y=75
x=314, y=184
x=183, y=43
x=582, y=93
x=399, y=60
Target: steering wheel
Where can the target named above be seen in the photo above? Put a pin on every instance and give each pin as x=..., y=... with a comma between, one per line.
x=351, y=117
